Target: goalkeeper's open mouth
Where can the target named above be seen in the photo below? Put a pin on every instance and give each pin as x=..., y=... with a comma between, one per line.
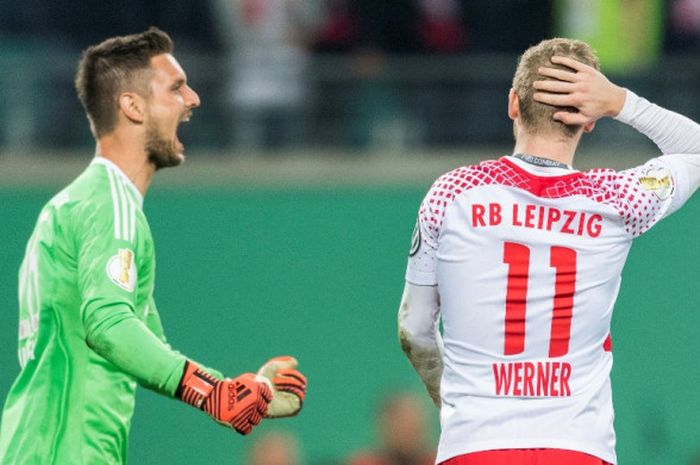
x=179, y=146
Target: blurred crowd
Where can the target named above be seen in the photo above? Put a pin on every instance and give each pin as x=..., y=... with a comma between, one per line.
x=403, y=436
x=281, y=74
x=345, y=26
x=323, y=26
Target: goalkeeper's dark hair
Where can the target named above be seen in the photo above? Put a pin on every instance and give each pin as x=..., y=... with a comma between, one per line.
x=117, y=65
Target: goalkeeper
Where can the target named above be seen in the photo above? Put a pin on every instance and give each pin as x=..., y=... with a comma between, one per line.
x=89, y=330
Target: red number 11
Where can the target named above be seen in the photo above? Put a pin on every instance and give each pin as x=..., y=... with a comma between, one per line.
x=563, y=260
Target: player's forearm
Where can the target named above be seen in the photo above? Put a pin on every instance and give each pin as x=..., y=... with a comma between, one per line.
x=427, y=361
x=153, y=322
x=419, y=335
x=116, y=334
x=670, y=131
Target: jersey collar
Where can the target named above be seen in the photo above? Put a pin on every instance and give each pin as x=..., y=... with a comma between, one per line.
x=100, y=160
x=540, y=166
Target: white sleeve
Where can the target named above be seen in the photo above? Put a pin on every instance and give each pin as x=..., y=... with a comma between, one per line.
x=670, y=131
x=648, y=193
x=673, y=134
x=686, y=174
x=419, y=334
x=422, y=260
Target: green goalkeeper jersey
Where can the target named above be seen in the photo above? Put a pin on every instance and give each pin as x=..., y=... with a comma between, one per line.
x=89, y=331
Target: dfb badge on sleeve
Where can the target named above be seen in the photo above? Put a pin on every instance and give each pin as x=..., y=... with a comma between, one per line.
x=121, y=269
x=658, y=181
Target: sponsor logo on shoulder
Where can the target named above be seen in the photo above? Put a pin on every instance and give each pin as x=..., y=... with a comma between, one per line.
x=121, y=269
x=657, y=181
x=415, y=241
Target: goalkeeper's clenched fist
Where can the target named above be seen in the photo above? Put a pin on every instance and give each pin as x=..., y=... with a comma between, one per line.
x=288, y=386
x=240, y=403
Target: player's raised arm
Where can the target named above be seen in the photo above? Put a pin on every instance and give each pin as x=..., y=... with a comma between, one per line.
x=588, y=95
x=673, y=133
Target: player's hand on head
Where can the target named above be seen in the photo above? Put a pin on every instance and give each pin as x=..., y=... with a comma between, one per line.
x=241, y=402
x=580, y=87
x=288, y=386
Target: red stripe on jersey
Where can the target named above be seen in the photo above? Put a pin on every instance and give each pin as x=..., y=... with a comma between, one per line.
x=548, y=186
x=607, y=345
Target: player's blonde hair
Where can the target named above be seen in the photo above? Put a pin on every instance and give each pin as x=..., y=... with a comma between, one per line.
x=537, y=117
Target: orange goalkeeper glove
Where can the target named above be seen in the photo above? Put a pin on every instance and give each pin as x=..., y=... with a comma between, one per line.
x=288, y=386
x=239, y=403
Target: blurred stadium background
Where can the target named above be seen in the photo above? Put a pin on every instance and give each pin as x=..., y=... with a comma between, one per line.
x=322, y=124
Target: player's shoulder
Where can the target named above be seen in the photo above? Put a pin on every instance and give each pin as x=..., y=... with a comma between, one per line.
x=601, y=176
x=99, y=194
x=103, y=182
x=654, y=167
x=450, y=185
x=488, y=172
x=465, y=177
x=655, y=176
x=88, y=193
x=76, y=206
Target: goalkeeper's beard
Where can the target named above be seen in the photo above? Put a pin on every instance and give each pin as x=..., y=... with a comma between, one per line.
x=162, y=153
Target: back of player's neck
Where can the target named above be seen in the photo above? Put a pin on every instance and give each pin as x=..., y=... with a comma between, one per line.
x=561, y=150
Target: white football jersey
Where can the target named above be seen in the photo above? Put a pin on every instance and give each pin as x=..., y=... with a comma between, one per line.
x=527, y=259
